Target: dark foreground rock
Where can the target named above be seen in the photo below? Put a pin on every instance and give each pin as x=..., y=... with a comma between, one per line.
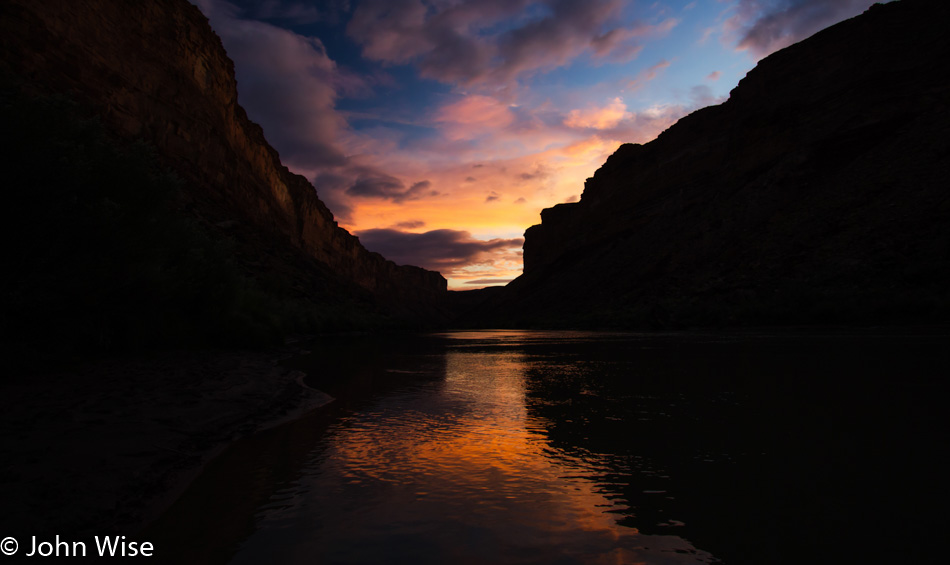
x=103, y=448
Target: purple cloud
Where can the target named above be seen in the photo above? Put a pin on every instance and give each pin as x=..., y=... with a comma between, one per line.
x=439, y=250
x=409, y=225
x=331, y=188
x=290, y=86
x=489, y=281
x=287, y=83
x=449, y=42
x=701, y=96
x=765, y=26
x=371, y=183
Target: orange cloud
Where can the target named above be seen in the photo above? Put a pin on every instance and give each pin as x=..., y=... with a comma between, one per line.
x=512, y=163
x=524, y=185
x=599, y=118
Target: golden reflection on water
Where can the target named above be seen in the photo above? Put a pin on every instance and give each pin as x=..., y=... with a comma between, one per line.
x=453, y=470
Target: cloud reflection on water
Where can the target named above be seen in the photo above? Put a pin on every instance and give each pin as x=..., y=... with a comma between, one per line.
x=456, y=470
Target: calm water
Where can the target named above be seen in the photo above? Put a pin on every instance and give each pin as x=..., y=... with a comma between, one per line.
x=561, y=447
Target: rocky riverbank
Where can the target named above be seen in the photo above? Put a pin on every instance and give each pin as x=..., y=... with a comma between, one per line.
x=107, y=446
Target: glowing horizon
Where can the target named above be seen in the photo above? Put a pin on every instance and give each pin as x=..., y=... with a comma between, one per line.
x=436, y=132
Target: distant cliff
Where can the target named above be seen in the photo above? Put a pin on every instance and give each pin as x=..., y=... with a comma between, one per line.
x=819, y=192
x=156, y=71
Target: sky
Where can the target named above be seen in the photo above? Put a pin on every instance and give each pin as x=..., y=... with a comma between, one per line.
x=437, y=130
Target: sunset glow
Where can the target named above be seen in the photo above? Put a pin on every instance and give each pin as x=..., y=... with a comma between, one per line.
x=437, y=130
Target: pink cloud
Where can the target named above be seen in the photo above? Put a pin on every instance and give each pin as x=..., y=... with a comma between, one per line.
x=713, y=75
x=390, y=30
x=648, y=123
x=474, y=115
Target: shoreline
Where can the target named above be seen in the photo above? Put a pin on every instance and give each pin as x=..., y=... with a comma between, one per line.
x=111, y=445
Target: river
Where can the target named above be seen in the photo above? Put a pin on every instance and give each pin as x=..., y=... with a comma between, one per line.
x=588, y=447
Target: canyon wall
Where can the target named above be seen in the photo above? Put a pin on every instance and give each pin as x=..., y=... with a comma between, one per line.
x=156, y=71
x=817, y=193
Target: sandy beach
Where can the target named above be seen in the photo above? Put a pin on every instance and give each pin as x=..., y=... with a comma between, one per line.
x=106, y=447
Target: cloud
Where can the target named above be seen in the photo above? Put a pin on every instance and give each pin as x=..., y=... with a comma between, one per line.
x=494, y=41
x=377, y=185
x=617, y=46
x=535, y=157
x=765, y=26
x=409, y=225
x=539, y=171
x=372, y=183
x=612, y=44
x=702, y=96
x=287, y=83
x=599, y=118
x=714, y=75
x=473, y=116
x=642, y=126
x=331, y=189
x=441, y=250
x=489, y=281
x=418, y=189
x=646, y=76
x=290, y=86
x=525, y=149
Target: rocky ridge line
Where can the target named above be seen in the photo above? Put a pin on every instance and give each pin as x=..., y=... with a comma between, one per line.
x=814, y=194
x=157, y=71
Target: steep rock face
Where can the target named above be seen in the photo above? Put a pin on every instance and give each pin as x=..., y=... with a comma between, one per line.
x=156, y=70
x=816, y=193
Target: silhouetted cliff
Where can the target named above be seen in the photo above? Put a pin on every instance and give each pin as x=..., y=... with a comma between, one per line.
x=156, y=71
x=817, y=193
